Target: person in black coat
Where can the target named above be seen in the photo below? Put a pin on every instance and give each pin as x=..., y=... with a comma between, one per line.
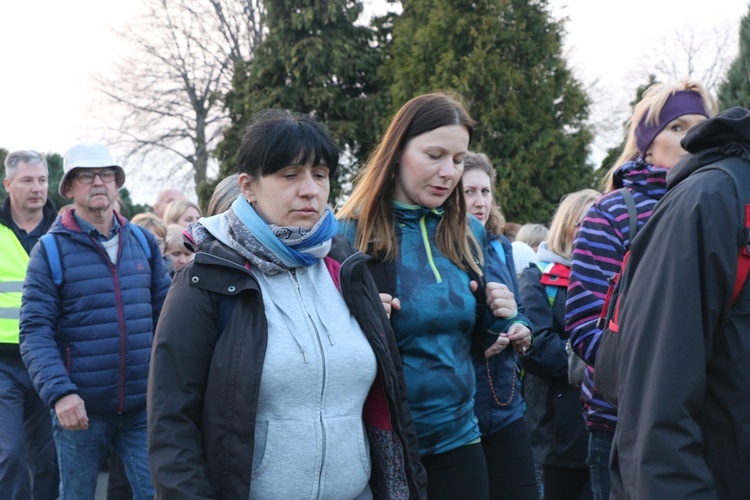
x=684, y=370
x=554, y=413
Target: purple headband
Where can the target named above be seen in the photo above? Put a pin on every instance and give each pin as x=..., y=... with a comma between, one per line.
x=684, y=102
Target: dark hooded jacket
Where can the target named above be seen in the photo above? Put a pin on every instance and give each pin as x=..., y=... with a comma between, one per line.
x=684, y=410
x=558, y=434
x=204, y=383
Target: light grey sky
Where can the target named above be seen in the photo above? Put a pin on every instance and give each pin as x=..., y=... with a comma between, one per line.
x=50, y=49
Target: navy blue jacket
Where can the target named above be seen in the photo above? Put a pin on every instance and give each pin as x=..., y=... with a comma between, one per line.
x=554, y=412
x=92, y=335
x=503, y=407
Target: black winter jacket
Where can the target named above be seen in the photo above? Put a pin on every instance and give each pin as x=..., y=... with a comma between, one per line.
x=203, y=386
x=553, y=407
x=684, y=410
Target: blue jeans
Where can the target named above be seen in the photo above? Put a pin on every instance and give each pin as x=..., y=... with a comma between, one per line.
x=28, y=465
x=80, y=454
x=600, y=446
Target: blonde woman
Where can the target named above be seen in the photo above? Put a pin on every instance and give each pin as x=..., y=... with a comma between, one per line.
x=224, y=195
x=532, y=235
x=175, y=249
x=154, y=224
x=182, y=212
x=553, y=409
x=659, y=122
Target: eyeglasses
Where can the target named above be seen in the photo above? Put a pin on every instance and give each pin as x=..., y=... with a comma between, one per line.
x=88, y=177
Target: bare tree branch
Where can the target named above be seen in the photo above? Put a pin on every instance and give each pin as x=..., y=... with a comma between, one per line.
x=698, y=55
x=165, y=98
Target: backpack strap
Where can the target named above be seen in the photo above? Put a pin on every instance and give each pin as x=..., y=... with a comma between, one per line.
x=743, y=261
x=612, y=299
x=627, y=197
x=53, y=252
x=500, y=250
x=138, y=232
x=53, y=257
x=739, y=170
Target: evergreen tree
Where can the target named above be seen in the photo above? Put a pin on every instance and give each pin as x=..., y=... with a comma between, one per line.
x=130, y=209
x=735, y=90
x=505, y=58
x=314, y=60
x=55, y=163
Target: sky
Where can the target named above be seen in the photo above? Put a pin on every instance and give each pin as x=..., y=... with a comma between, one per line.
x=50, y=52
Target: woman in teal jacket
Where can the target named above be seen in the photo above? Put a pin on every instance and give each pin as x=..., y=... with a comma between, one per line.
x=408, y=211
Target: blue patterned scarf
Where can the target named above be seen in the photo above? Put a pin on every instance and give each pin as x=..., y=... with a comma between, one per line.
x=272, y=249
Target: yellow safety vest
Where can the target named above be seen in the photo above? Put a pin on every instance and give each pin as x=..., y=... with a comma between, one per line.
x=13, y=266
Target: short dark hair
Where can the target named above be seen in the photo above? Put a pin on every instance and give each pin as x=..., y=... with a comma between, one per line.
x=276, y=139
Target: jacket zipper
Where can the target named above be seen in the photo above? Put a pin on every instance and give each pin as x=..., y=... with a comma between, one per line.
x=428, y=250
x=323, y=380
x=120, y=317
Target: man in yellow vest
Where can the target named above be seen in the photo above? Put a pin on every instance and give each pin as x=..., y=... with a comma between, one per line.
x=28, y=463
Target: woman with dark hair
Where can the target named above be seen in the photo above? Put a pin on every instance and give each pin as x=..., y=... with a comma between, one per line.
x=499, y=404
x=275, y=373
x=407, y=210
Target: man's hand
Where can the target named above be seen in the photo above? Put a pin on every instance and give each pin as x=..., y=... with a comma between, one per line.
x=71, y=412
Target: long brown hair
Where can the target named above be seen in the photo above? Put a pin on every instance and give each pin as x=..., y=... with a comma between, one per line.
x=371, y=202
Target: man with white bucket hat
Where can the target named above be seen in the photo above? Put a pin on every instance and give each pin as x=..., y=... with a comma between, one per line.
x=92, y=295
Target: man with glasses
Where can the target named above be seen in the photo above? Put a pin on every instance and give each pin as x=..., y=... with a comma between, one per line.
x=90, y=303
x=28, y=468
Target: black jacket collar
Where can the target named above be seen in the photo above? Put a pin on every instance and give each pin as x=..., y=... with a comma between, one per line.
x=725, y=135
